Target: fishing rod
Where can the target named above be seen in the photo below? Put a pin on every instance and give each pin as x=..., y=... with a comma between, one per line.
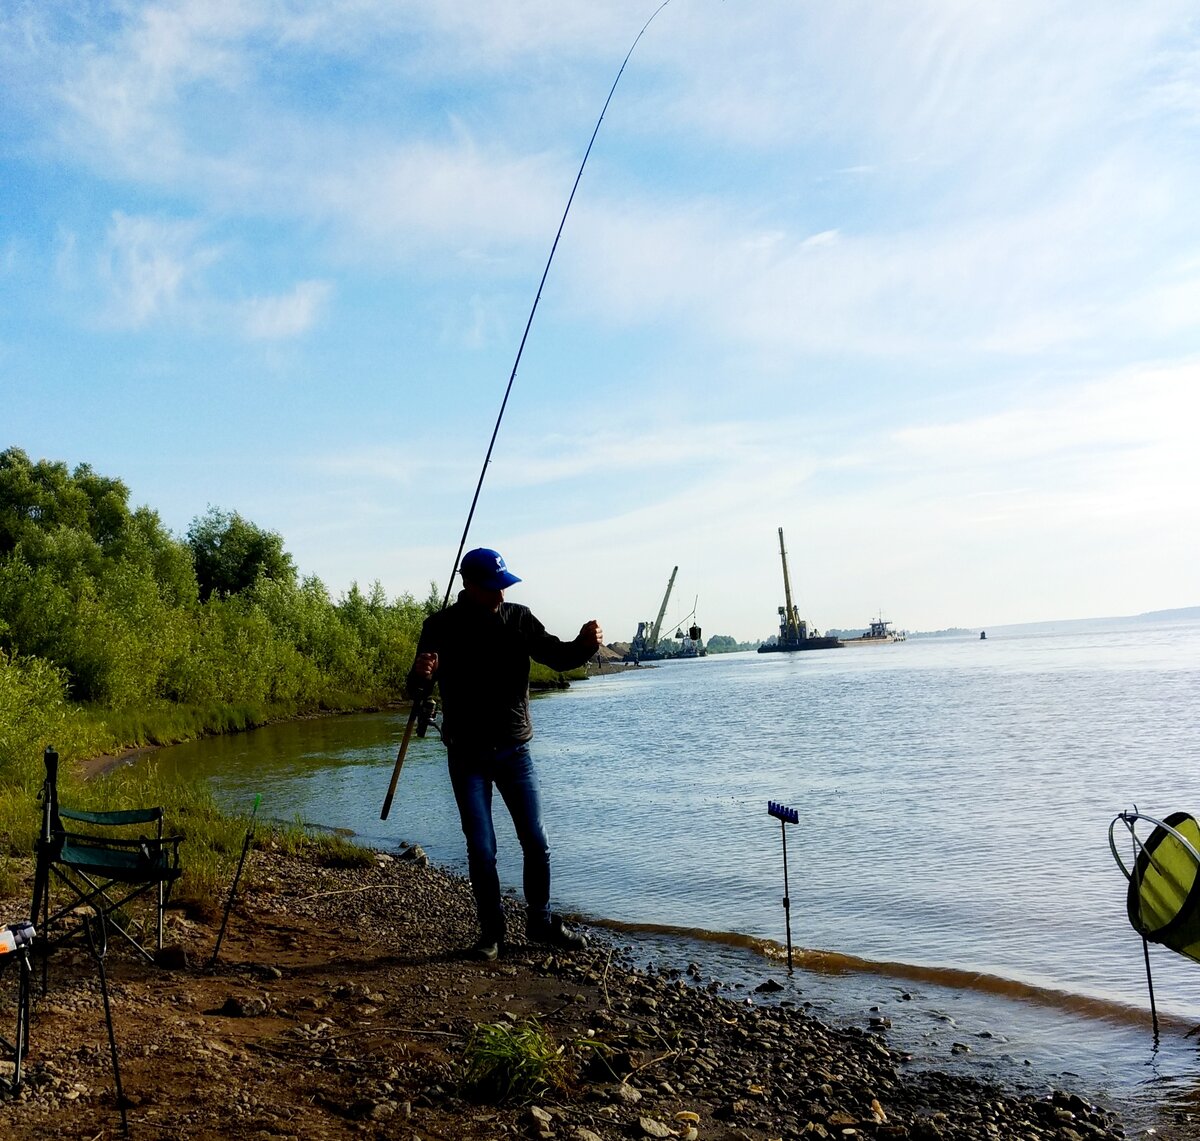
x=487, y=459
x=236, y=876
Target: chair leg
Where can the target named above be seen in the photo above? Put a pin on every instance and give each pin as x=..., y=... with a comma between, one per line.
x=41, y=902
x=89, y=892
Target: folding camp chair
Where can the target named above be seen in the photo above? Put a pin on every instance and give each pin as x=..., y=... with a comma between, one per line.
x=104, y=868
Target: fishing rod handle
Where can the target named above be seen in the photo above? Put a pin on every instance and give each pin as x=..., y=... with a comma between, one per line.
x=391, y=792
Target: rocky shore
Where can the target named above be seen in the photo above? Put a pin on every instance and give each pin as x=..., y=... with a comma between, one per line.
x=342, y=1005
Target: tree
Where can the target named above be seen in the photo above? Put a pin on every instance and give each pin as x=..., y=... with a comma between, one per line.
x=727, y=644
x=231, y=554
x=42, y=502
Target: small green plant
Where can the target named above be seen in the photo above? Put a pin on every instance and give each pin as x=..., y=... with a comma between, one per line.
x=512, y=1063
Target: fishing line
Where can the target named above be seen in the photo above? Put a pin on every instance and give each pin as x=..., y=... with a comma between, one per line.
x=487, y=459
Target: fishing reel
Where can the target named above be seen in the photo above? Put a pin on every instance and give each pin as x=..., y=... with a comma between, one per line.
x=426, y=715
x=17, y=938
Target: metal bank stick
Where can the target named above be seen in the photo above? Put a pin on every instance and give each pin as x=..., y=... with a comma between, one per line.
x=785, y=817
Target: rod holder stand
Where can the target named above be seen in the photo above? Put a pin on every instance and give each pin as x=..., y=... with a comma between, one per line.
x=785, y=816
x=783, y=812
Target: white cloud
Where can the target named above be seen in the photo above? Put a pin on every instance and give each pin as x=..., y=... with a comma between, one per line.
x=66, y=259
x=1076, y=266
x=1145, y=409
x=151, y=267
x=920, y=82
x=286, y=315
x=1048, y=92
x=405, y=463
x=156, y=270
x=936, y=523
x=473, y=200
x=1172, y=305
x=126, y=94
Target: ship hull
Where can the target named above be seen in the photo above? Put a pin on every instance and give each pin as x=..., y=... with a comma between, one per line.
x=806, y=644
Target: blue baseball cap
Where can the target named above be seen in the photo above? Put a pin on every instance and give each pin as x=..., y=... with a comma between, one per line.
x=486, y=568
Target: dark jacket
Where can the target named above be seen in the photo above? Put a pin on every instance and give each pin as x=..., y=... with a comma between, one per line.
x=483, y=670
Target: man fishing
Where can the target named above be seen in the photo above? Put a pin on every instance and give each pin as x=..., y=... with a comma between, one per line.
x=478, y=651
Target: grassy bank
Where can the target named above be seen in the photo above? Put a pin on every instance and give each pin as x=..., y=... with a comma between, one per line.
x=212, y=839
x=35, y=713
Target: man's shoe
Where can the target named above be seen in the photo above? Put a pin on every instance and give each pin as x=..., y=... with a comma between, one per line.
x=556, y=935
x=486, y=952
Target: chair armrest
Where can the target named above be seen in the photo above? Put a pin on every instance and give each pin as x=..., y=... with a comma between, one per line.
x=128, y=860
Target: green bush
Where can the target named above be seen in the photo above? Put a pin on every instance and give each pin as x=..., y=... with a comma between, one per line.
x=34, y=711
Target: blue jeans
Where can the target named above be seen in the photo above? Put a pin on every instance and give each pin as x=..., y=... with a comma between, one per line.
x=473, y=774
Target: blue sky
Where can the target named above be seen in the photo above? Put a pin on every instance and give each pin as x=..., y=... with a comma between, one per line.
x=917, y=282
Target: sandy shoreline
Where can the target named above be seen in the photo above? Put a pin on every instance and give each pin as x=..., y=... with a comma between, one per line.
x=106, y=762
x=342, y=1005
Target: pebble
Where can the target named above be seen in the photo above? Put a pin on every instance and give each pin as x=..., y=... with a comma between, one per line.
x=651, y=1127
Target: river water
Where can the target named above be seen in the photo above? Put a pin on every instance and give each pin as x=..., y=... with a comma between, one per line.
x=950, y=870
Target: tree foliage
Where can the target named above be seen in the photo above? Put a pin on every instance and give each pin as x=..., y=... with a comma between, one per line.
x=727, y=644
x=231, y=554
x=34, y=711
x=123, y=613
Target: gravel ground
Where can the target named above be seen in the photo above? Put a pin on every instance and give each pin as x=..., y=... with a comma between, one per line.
x=342, y=1005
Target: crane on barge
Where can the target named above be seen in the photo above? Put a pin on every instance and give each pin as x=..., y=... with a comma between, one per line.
x=644, y=647
x=793, y=630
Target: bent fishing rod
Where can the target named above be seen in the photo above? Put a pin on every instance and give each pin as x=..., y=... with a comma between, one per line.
x=487, y=459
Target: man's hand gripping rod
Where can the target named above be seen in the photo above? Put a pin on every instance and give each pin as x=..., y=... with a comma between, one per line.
x=487, y=459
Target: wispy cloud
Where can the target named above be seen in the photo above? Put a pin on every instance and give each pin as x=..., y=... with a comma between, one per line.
x=9, y=256
x=152, y=268
x=988, y=98
x=155, y=270
x=288, y=315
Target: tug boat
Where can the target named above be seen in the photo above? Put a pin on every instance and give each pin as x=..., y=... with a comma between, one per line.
x=879, y=634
